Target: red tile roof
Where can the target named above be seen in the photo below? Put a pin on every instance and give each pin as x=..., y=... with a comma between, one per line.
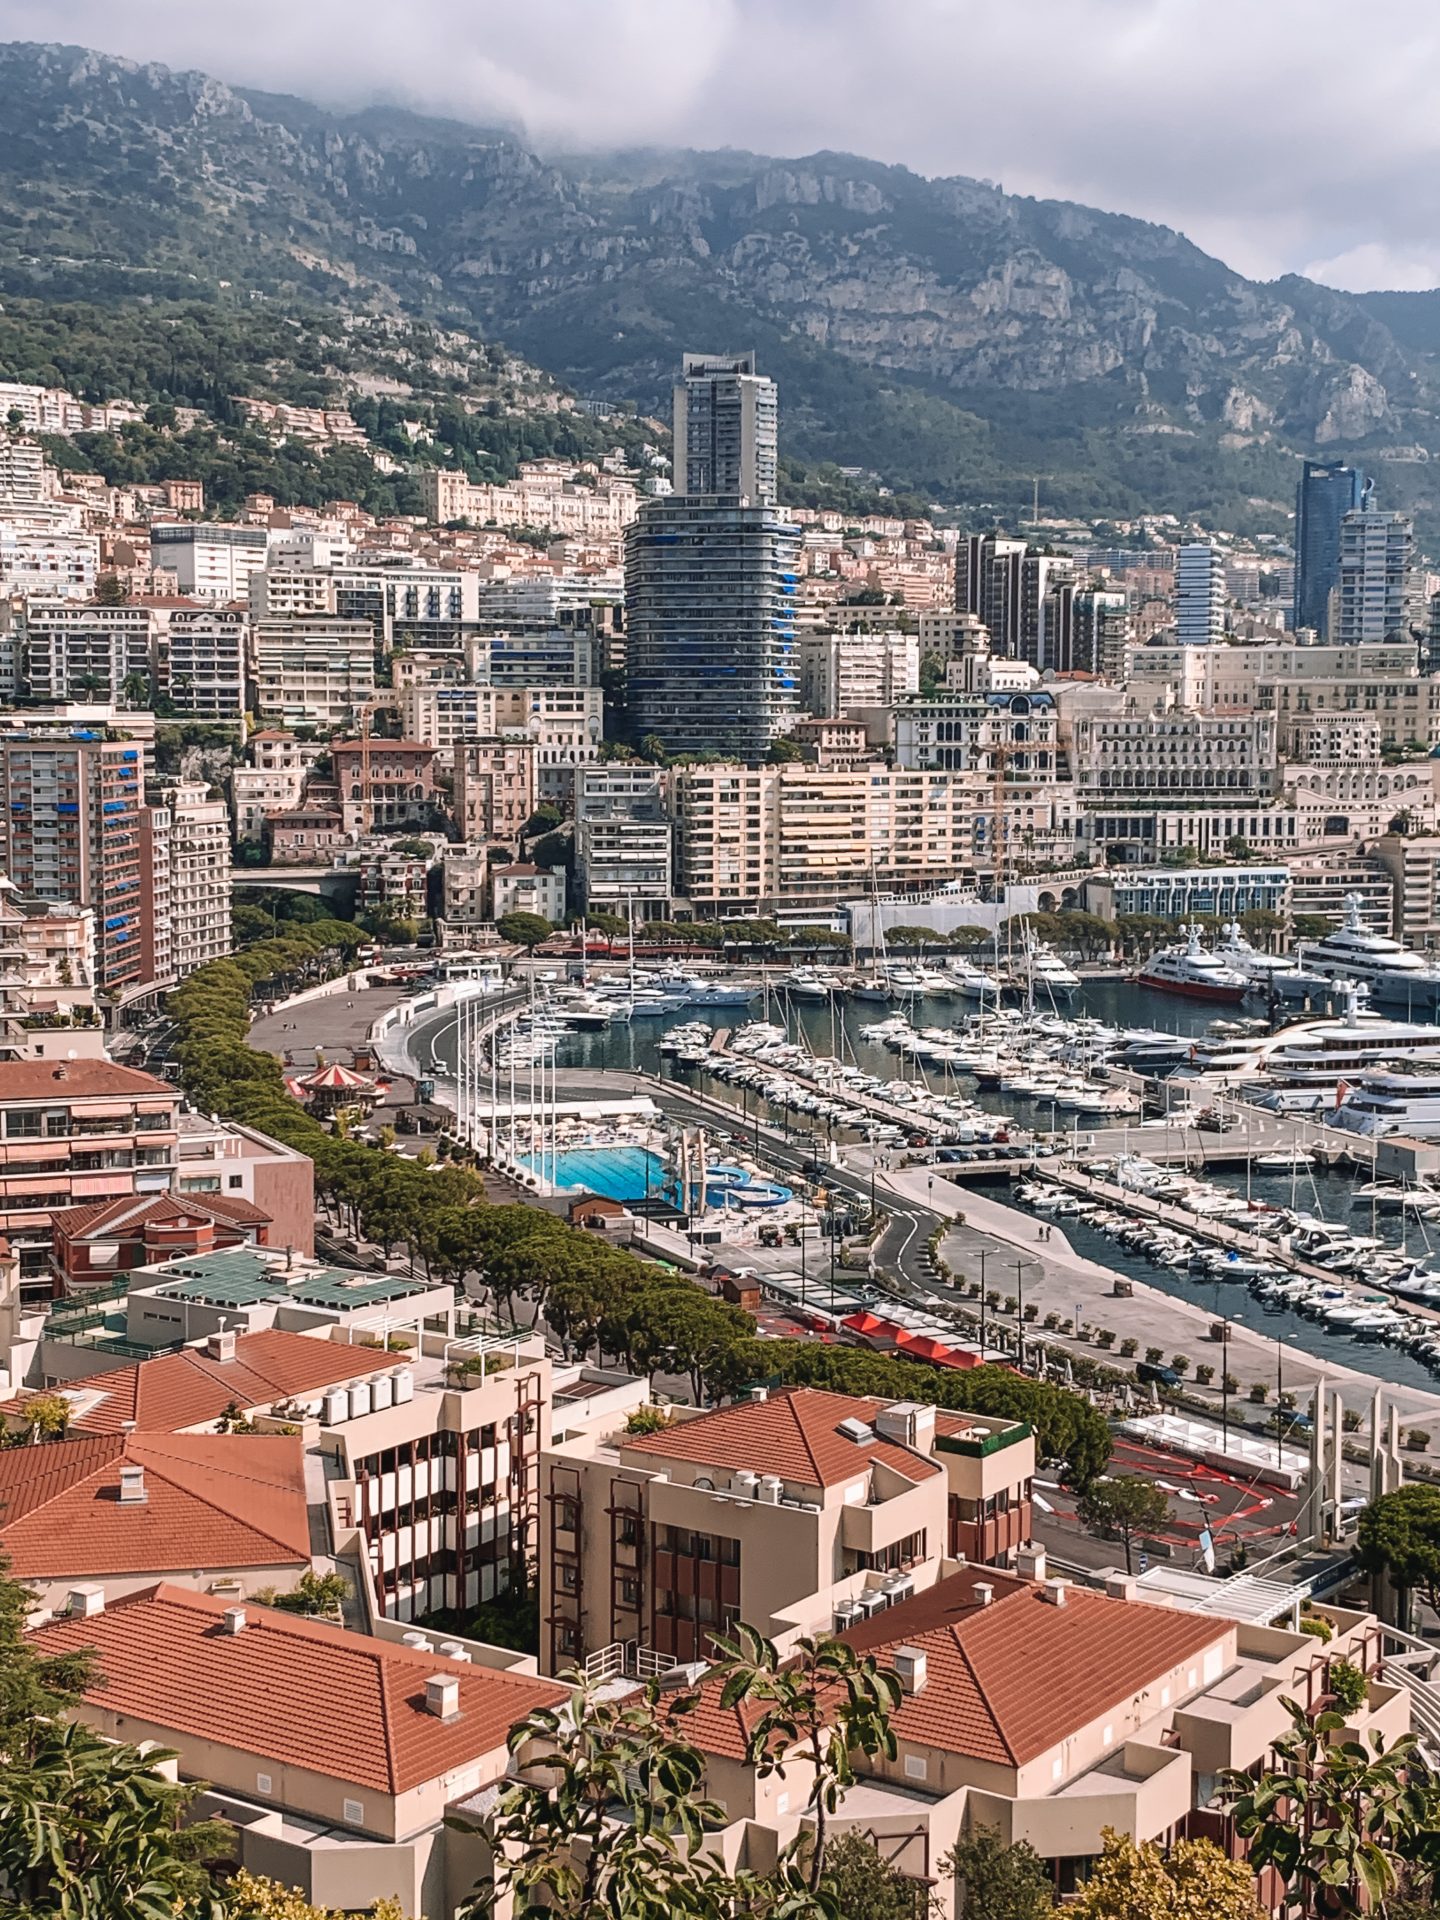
x=1005, y=1682
x=295, y=1691
x=75, y=1080
x=794, y=1433
x=189, y=1389
x=136, y=1210
x=212, y=1501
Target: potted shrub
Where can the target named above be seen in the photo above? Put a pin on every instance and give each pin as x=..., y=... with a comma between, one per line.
x=1204, y=1374
x=1129, y=1347
x=1258, y=1393
x=1154, y=1355
x=1180, y=1362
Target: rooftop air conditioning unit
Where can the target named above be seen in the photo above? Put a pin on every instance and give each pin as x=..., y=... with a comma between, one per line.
x=745, y=1484
x=873, y=1602
x=359, y=1396
x=382, y=1392
x=847, y=1612
x=335, y=1407
x=453, y=1650
x=404, y=1385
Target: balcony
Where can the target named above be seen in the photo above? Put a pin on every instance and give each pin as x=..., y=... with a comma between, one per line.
x=1140, y=1790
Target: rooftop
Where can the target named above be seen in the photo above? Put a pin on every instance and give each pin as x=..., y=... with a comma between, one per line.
x=176, y=1391
x=1007, y=1681
x=295, y=1691
x=795, y=1433
x=76, y=1080
x=244, y=1277
x=211, y=1500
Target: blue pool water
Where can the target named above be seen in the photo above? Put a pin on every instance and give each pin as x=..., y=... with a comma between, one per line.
x=616, y=1173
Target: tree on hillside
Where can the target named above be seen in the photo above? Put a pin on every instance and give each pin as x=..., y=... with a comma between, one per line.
x=1126, y=1508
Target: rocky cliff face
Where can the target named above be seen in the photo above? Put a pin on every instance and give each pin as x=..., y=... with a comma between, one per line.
x=936, y=322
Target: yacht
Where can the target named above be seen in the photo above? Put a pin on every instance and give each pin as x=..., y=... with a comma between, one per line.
x=808, y=983
x=1041, y=970
x=972, y=980
x=1320, y=1055
x=1189, y=970
x=1268, y=972
x=1394, y=974
x=1398, y=1100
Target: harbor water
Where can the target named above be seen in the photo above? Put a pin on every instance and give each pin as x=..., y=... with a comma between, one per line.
x=836, y=1029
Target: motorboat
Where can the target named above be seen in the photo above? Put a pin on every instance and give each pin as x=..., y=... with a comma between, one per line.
x=1190, y=971
x=1042, y=975
x=809, y=983
x=1269, y=973
x=1395, y=974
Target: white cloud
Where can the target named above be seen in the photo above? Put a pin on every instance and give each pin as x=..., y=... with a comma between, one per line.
x=1275, y=135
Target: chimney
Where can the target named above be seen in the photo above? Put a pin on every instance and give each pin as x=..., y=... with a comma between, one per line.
x=1054, y=1592
x=1030, y=1562
x=759, y=1393
x=984, y=1593
x=220, y=1346
x=909, y=1665
x=1121, y=1586
x=234, y=1619
x=61, y=1072
x=85, y=1602
x=442, y=1697
x=132, y=1487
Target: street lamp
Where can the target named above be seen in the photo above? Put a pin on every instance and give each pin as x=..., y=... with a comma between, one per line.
x=1020, y=1311
x=1225, y=1387
x=984, y=1255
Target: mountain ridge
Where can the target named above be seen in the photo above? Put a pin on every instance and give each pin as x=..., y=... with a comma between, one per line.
x=947, y=336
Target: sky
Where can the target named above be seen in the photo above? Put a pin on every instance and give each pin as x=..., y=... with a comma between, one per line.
x=1282, y=135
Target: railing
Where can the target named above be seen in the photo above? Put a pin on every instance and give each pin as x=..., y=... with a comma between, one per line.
x=627, y=1660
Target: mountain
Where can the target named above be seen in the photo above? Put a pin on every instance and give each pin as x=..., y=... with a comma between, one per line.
x=948, y=337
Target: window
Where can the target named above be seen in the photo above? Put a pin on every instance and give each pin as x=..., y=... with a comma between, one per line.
x=915, y=1766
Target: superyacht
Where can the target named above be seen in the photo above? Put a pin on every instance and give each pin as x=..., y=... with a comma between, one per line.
x=1395, y=975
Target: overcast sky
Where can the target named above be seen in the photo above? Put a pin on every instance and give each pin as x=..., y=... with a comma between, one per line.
x=1282, y=135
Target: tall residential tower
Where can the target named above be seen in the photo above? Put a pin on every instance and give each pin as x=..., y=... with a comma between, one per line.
x=710, y=576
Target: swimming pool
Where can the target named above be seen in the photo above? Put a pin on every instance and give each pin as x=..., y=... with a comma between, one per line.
x=616, y=1173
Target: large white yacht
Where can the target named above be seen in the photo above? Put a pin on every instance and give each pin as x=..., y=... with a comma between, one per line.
x=1397, y=1101
x=1316, y=1054
x=1189, y=970
x=1267, y=972
x=1395, y=974
x=1040, y=968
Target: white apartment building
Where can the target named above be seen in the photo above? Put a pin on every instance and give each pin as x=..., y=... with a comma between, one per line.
x=759, y=839
x=840, y=672
x=624, y=839
x=202, y=662
x=1013, y=736
x=1199, y=595
x=315, y=673
x=187, y=837
x=563, y=723
x=214, y=562
x=257, y=792
x=53, y=564
x=88, y=653
x=465, y=893
x=525, y=888
x=1376, y=555
x=549, y=502
x=1172, y=758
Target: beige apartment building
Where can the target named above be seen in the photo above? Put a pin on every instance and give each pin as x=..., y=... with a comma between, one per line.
x=757, y=838
x=1048, y=1713
x=313, y=671
x=495, y=790
x=336, y=1756
x=793, y=1503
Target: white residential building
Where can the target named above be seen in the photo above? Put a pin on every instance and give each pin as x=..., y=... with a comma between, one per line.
x=88, y=653
x=203, y=662
x=192, y=875
x=315, y=673
x=563, y=723
x=214, y=562
x=1199, y=595
x=840, y=672
x=1376, y=555
x=1174, y=758
x=59, y=565
x=624, y=838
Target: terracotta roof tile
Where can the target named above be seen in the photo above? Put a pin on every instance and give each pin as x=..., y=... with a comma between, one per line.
x=295, y=1691
x=1006, y=1682
x=137, y=1209
x=795, y=1433
x=76, y=1080
x=212, y=1501
x=189, y=1389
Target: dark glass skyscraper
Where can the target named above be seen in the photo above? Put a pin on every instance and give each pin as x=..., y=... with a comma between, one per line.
x=1328, y=490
